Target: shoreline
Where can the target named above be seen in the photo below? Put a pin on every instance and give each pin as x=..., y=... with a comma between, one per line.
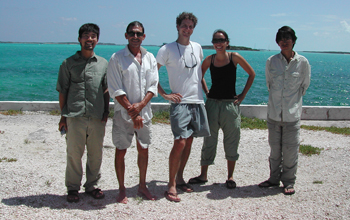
x=324, y=113
x=33, y=185
x=238, y=48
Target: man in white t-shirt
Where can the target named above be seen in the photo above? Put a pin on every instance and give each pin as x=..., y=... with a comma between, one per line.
x=188, y=117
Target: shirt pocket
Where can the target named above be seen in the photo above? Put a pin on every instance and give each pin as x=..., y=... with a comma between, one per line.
x=293, y=80
x=93, y=80
x=276, y=80
x=77, y=74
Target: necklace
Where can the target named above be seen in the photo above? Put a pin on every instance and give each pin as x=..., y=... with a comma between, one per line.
x=192, y=57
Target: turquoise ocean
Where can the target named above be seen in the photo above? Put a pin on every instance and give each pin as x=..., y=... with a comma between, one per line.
x=28, y=72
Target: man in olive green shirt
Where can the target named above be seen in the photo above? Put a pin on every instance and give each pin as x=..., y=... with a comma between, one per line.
x=84, y=103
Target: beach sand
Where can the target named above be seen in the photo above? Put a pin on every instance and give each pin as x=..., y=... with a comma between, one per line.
x=32, y=187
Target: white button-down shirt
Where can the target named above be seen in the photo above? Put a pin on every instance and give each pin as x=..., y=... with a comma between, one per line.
x=125, y=76
x=287, y=83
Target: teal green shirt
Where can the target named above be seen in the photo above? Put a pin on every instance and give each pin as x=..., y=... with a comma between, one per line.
x=84, y=82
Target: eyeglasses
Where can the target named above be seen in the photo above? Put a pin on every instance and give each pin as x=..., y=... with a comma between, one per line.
x=192, y=57
x=132, y=34
x=218, y=40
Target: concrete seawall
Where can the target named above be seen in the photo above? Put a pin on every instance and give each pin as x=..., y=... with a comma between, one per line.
x=331, y=113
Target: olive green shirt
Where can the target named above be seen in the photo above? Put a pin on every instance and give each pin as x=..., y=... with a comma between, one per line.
x=84, y=83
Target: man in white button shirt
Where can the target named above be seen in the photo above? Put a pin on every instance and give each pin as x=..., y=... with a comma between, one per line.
x=132, y=77
x=287, y=77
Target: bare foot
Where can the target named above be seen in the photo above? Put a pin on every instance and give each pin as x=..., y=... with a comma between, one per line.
x=122, y=196
x=143, y=191
x=172, y=190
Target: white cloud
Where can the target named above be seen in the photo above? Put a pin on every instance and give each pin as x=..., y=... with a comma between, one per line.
x=68, y=19
x=322, y=34
x=120, y=25
x=329, y=18
x=279, y=15
x=345, y=25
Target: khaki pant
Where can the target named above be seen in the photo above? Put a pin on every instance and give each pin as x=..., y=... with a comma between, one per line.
x=227, y=116
x=284, y=140
x=90, y=132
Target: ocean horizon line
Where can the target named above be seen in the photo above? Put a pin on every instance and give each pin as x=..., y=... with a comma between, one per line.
x=154, y=45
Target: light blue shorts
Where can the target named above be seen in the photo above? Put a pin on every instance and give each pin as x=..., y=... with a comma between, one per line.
x=188, y=120
x=123, y=132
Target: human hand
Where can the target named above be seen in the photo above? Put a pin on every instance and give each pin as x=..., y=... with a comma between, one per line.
x=238, y=99
x=105, y=117
x=134, y=109
x=174, y=97
x=62, y=123
x=138, y=122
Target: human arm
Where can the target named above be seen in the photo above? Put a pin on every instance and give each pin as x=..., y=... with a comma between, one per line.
x=62, y=101
x=238, y=59
x=174, y=97
x=205, y=66
x=307, y=77
x=134, y=109
x=267, y=74
x=106, y=106
x=63, y=84
x=151, y=79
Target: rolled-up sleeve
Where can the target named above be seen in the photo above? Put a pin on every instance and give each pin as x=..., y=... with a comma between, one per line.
x=307, y=77
x=267, y=74
x=153, y=78
x=63, y=78
x=114, y=78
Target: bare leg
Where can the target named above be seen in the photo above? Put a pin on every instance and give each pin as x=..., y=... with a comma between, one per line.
x=174, y=163
x=142, y=162
x=184, y=158
x=120, y=171
x=230, y=169
x=204, y=173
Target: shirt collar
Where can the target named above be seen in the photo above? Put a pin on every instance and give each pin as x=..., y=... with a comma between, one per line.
x=78, y=56
x=296, y=56
x=128, y=53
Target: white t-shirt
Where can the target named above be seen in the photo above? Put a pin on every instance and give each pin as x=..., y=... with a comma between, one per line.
x=183, y=80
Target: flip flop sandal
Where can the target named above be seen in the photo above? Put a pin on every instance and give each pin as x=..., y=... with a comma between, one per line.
x=196, y=180
x=288, y=188
x=172, y=197
x=185, y=187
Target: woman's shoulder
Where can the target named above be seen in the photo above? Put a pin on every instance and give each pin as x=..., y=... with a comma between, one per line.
x=233, y=54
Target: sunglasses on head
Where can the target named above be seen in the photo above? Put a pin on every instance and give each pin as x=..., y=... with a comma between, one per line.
x=132, y=33
x=218, y=40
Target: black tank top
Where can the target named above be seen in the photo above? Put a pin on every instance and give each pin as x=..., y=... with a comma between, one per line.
x=223, y=80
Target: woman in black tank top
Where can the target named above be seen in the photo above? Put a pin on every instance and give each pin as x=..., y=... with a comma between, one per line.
x=222, y=105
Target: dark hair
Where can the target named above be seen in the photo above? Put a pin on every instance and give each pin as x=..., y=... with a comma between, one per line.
x=186, y=15
x=224, y=33
x=135, y=23
x=286, y=32
x=89, y=27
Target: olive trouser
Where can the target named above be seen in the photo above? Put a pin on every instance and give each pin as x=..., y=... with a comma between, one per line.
x=90, y=132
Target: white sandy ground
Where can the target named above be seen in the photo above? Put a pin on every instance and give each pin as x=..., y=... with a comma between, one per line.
x=33, y=186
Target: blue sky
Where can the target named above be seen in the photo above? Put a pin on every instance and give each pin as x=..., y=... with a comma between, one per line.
x=319, y=25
